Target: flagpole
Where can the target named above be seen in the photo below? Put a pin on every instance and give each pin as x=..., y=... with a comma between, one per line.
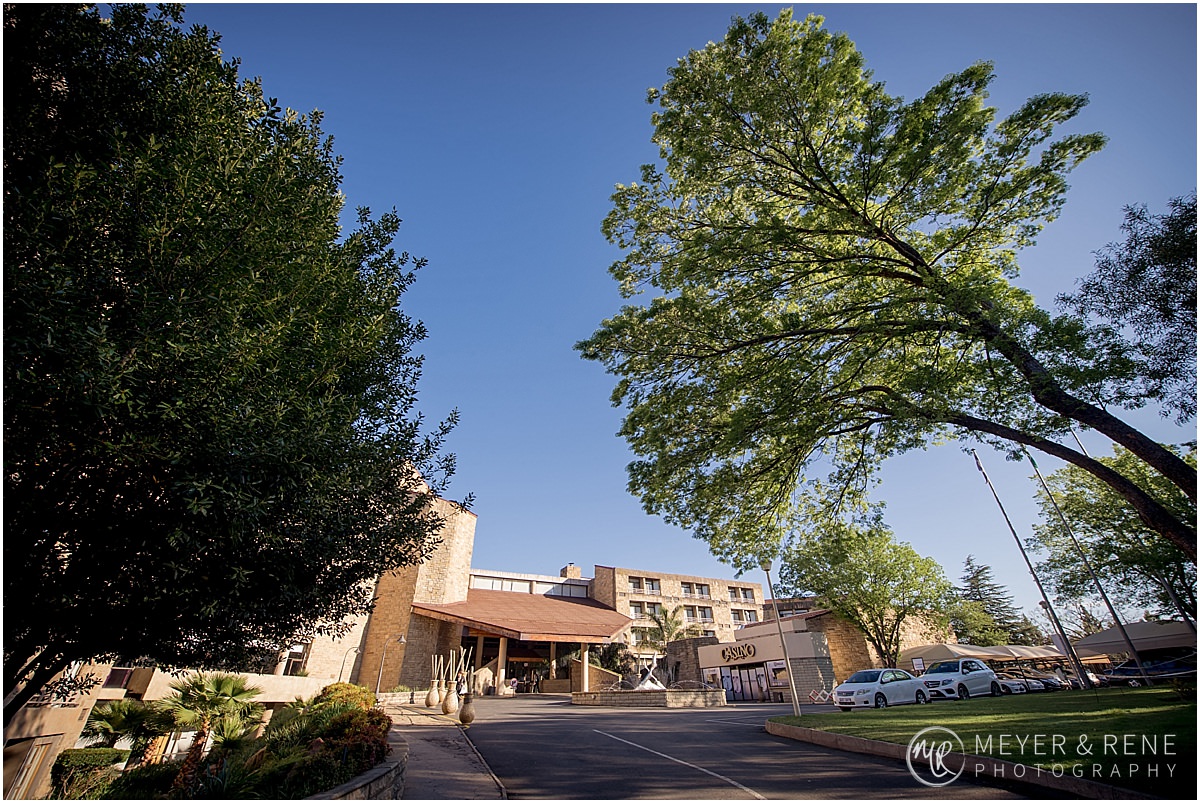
x=1137, y=659
x=1084, y=681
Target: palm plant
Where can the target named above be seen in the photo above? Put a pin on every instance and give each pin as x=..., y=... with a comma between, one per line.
x=202, y=702
x=669, y=625
x=126, y=719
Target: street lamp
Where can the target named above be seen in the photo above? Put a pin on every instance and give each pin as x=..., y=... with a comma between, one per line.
x=766, y=567
x=343, y=666
x=379, y=678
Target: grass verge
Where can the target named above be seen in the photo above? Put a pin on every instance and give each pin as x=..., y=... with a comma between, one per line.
x=1140, y=739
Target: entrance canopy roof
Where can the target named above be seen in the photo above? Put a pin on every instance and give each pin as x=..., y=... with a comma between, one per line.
x=530, y=617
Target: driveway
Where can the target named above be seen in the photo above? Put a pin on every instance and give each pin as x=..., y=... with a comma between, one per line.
x=542, y=747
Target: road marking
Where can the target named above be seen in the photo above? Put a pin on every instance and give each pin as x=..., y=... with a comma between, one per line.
x=745, y=789
x=757, y=723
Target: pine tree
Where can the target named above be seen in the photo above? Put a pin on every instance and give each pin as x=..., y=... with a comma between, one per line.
x=995, y=617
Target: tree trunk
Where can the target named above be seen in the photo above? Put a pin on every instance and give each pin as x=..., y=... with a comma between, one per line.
x=35, y=682
x=1152, y=514
x=195, y=755
x=1045, y=389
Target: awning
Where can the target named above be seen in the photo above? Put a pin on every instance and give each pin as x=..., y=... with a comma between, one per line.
x=1033, y=653
x=930, y=653
x=1144, y=635
x=530, y=617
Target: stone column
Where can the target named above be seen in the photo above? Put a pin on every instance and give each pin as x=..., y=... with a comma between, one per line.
x=583, y=657
x=501, y=662
x=553, y=655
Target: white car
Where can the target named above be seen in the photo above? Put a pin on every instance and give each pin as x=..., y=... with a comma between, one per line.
x=959, y=679
x=879, y=688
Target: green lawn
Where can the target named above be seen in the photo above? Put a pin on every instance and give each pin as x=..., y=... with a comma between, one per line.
x=1128, y=731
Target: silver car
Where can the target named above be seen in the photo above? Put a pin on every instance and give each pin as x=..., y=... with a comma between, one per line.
x=960, y=679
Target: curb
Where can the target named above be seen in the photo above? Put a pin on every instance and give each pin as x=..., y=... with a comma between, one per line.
x=483, y=761
x=984, y=765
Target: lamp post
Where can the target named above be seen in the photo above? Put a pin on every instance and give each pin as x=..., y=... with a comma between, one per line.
x=766, y=567
x=342, y=668
x=379, y=678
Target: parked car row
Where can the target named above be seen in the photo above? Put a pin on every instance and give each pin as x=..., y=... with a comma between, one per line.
x=958, y=679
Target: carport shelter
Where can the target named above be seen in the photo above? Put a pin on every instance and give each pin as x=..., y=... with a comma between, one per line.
x=530, y=618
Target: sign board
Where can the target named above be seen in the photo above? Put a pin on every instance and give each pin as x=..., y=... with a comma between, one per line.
x=918, y=665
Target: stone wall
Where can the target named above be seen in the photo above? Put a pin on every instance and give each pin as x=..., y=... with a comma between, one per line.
x=446, y=575
x=603, y=588
x=443, y=578
x=327, y=656
x=651, y=698
x=683, y=658
x=850, y=651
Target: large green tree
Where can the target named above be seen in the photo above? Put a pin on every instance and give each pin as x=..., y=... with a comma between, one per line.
x=211, y=446
x=878, y=584
x=832, y=275
x=1134, y=564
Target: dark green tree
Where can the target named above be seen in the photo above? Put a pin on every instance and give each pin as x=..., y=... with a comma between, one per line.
x=211, y=446
x=987, y=614
x=1146, y=286
x=832, y=276
x=1135, y=564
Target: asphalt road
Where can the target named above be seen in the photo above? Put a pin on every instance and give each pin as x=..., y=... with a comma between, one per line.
x=542, y=747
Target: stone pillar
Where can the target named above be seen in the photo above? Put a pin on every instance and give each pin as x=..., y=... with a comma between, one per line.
x=478, y=652
x=583, y=657
x=501, y=663
x=282, y=665
x=553, y=654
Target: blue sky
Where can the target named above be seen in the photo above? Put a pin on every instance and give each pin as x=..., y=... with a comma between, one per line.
x=498, y=131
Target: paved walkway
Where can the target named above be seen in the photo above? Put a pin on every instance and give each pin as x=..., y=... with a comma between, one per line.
x=442, y=762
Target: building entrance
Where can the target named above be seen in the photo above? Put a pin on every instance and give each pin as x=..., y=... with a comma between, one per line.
x=743, y=683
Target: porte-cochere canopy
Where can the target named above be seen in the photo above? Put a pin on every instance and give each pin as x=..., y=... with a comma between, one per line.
x=530, y=617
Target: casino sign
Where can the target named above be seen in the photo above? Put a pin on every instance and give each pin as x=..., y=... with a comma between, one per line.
x=737, y=652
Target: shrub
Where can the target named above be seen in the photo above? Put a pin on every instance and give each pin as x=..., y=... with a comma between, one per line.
x=145, y=782
x=360, y=696
x=85, y=772
x=307, y=760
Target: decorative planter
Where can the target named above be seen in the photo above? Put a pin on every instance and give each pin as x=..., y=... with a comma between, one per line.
x=466, y=714
x=450, y=701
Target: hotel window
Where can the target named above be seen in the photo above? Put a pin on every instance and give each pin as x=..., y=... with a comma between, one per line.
x=636, y=611
x=635, y=584
x=705, y=614
x=751, y=616
x=711, y=633
x=637, y=635
x=652, y=586
x=688, y=589
x=689, y=612
x=654, y=609
x=736, y=615
x=748, y=594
